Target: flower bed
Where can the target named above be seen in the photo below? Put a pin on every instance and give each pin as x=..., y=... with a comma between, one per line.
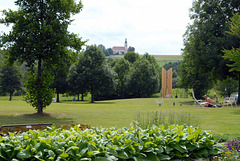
x=155, y=143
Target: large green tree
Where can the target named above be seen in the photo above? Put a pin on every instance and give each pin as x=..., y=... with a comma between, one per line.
x=234, y=54
x=61, y=72
x=39, y=37
x=203, y=43
x=77, y=81
x=10, y=79
x=100, y=78
x=143, y=79
x=122, y=67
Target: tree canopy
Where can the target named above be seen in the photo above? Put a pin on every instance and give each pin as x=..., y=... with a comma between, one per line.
x=204, y=41
x=234, y=54
x=10, y=79
x=99, y=78
x=143, y=79
x=39, y=37
x=131, y=56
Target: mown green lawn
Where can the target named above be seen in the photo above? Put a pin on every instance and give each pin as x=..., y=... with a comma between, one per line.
x=117, y=113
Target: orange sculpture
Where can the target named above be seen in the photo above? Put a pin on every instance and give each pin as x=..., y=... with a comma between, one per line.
x=167, y=83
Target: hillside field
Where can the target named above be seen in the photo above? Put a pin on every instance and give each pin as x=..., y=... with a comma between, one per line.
x=161, y=59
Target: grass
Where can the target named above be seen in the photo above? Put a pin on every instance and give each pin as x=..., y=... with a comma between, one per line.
x=161, y=59
x=117, y=113
x=164, y=59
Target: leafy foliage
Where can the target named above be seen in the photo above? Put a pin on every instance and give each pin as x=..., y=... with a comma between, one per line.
x=60, y=73
x=39, y=37
x=131, y=56
x=234, y=54
x=231, y=150
x=233, y=144
x=10, y=79
x=122, y=67
x=227, y=87
x=138, y=79
x=143, y=79
x=45, y=94
x=77, y=81
x=106, y=52
x=94, y=73
x=155, y=143
x=204, y=41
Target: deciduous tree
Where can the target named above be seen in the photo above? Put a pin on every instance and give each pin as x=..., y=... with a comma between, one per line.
x=131, y=56
x=122, y=67
x=61, y=72
x=234, y=54
x=100, y=78
x=39, y=36
x=204, y=41
x=143, y=79
x=10, y=79
x=77, y=81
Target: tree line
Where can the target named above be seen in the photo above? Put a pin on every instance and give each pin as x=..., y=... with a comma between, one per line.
x=128, y=77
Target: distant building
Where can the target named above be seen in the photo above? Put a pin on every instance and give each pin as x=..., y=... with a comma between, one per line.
x=120, y=50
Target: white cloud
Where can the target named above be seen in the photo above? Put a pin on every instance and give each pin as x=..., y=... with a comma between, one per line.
x=154, y=26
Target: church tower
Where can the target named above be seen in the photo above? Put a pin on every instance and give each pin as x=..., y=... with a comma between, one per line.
x=126, y=45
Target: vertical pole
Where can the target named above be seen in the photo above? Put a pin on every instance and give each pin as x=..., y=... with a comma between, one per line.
x=169, y=82
x=164, y=82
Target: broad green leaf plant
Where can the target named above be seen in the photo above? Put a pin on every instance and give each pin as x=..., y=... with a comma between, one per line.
x=97, y=144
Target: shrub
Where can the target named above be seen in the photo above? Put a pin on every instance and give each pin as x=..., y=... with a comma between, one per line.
x=154, y=143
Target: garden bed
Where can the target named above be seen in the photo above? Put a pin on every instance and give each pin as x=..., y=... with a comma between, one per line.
x=155, y=143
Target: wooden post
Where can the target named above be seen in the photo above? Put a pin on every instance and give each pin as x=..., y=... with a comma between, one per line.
x=164, y=82
x=169, y=82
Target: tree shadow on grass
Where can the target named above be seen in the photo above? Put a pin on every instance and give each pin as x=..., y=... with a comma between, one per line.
x=187, y=103
x=88, y=102
x=35, y=118
x=236, y=112
x=104, y=102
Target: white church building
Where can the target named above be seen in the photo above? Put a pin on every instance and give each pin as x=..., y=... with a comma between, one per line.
x=120, y=50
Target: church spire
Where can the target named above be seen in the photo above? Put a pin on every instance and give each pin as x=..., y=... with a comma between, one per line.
x=126, y=45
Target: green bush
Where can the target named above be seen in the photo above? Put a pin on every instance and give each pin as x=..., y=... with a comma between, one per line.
x=97, y=144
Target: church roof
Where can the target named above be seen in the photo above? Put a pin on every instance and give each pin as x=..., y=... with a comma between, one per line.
x=118, y=48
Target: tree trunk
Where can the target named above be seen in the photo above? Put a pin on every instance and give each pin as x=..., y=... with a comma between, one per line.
x=10, y=99
x=238, y=100
x=82, y=97
x=39, y=84
x=39, y=79
x=78, y=97
x=92, y=98
x=58, y=96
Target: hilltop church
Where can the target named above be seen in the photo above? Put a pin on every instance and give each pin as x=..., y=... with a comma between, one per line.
x=120, y=50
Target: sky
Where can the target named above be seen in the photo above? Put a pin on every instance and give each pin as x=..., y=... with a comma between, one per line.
x=153, y=26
